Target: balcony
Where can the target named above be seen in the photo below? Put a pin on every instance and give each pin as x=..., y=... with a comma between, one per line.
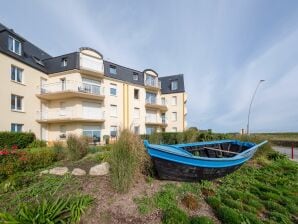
x=154, y=121
x=152, y=84
x=152, y=103
x=91, y=66
x=67, y=116
x=70, y=89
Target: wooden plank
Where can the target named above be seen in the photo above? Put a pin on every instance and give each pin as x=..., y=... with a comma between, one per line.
x=235, y=153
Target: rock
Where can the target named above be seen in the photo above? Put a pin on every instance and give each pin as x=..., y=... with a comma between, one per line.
x=44, y=172
x=100, y=170
x=59, y=171
x=78, y=172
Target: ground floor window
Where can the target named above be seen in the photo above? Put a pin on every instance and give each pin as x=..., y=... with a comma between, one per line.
x=137, y=130
x=16, y=127
x=94, y=132
x=113, y=131
x=150, y=130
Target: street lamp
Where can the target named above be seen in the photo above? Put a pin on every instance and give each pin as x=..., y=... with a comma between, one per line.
x=252, y=99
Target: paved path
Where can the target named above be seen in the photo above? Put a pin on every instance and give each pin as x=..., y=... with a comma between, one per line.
x=287, y=151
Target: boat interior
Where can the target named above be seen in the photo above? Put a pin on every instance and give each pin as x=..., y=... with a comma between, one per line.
x=219, y=150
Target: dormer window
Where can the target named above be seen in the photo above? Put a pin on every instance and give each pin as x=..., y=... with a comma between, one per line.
x=174, y=85
x=64, y=62
x=135, y=76
x=113, y=70
x=14, y=45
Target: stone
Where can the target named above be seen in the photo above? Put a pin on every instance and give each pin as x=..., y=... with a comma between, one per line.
x=100, y=170
x=44, y=172
x=60, y=171
x=78, y=172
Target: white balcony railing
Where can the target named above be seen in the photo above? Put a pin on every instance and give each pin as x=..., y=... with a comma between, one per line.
x=153, y=83
x=92, y=64
x=156, y=101
x=156, y=120
x=69, y=115
x=71, y=86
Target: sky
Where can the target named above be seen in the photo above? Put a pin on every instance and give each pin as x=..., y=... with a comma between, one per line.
x=223, y=48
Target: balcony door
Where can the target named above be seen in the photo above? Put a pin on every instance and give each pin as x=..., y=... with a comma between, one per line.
x=92, y=110
x=150, y=98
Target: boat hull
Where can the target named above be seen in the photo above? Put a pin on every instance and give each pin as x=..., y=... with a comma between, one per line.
x=169, y=170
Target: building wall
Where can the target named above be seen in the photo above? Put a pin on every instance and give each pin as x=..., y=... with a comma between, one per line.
x=31, y=103
x=33, y=106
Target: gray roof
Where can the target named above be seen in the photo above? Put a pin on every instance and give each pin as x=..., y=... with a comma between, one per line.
x=39, y=59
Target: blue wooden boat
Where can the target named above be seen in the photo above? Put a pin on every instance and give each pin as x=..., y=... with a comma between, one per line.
x=200, y=160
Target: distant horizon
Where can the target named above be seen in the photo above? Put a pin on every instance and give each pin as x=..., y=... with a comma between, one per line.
x=223, y=48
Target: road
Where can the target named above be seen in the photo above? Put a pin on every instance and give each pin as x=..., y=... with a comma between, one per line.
x=287, y=151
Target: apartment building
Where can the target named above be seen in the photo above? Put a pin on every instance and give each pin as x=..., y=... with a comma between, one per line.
x=82, y=93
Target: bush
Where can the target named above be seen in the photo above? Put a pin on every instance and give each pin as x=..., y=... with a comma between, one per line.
x=37, y=144
x=77, y=147
x=175, y=215
x=276, y=156
x=19, y=139
x=201, y=220
x=59, y=150
x=61, y=210
x=127, y=158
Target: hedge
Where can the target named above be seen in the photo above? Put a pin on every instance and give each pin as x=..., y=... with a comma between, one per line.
x=19, y=139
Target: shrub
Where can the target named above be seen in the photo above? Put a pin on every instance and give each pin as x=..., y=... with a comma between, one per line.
x=276, y=156
x=19, y=139
x=59, y=150
x=61, y=210
x=201, y=220
x=18, y=180
x=128, y=158
x=37, y=158
x=37, y=144
x=174, y=215
x=77, y=147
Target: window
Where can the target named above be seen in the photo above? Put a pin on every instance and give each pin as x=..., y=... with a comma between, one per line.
x=90, y=86
x=163, y=118
x=113, y=70
x=151, y=98
x=14, y=45
x=174, y=85
x=174, y=129
x=16, y=127
x=113, y=110
x=163, y=101
x=16, y=74
x=62, y=131
x=64, y=62
x=150, y=130
x=174, y=116
x=136, y=113
x=136, y=94
x=174, y=100
x=135, y=76
x=113, y=131
x=137, y=130
x=16, y=102
x=113, y=90
x=93, y=132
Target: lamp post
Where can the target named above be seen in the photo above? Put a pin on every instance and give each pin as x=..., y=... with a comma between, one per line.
x=252, y=99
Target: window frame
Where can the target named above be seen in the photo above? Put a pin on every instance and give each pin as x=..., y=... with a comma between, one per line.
x=14, y=41
x=64, y=62
x=174, y=116
x=116, y=110
x=16, y=127
x=113, y=68
x=135, y=74
x=174, y=100
x=172, y=82
x=138, y=94
x=16, y=97
x=113, y=87
x=15, y=71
